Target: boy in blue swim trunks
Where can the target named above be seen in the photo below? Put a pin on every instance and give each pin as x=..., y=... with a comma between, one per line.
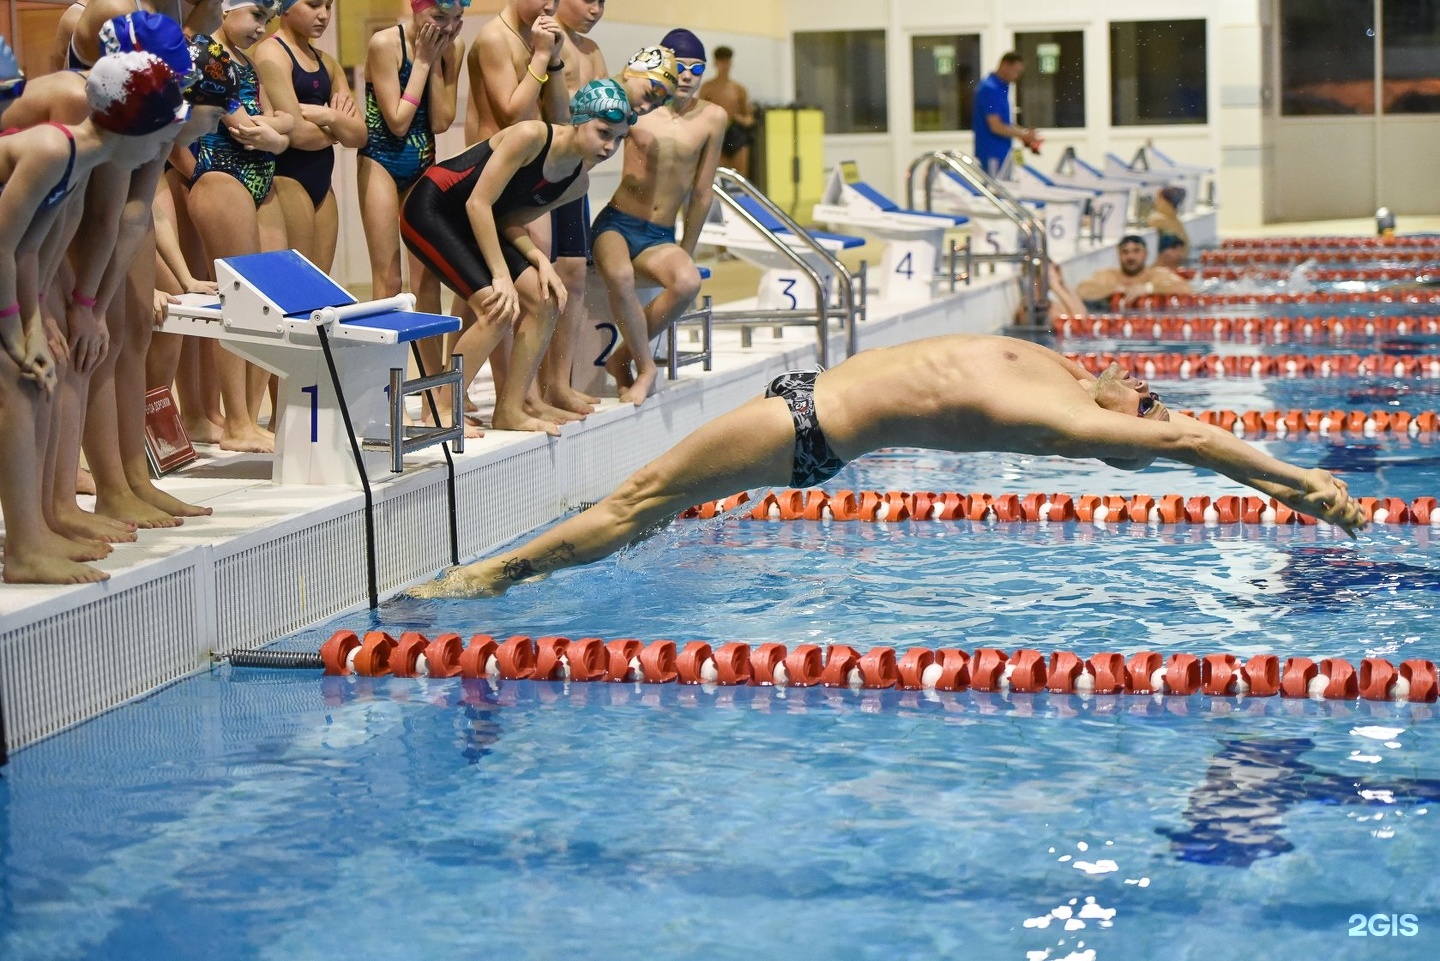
x=670, y=160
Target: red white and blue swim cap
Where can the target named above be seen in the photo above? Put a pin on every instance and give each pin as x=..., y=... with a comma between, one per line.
x=134, y=94
x=146, y=32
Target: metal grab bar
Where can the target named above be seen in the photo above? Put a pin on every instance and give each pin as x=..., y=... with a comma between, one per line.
x=851, y=312
x=1034, y=255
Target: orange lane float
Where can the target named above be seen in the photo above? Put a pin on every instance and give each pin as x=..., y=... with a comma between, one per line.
x=1022, y=671
x=1186, y=366
x=1184, y=301
x=1253, y=329
x=874, y=506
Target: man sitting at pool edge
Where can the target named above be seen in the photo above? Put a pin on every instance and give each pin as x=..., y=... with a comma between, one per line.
x=1131, y=279
x=955, y=393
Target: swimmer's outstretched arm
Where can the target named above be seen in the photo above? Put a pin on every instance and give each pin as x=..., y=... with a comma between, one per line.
x=1111, y=436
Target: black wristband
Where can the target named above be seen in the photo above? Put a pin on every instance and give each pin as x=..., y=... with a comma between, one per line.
x=552, y=67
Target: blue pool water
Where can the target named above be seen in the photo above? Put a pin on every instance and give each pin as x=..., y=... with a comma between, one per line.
x=247, y=814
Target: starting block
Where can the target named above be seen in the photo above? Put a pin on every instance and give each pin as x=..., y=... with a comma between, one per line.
x=1107, y=204
x=280, y=311
x=914, y=239
x=1190, y=176
x=1059, y=212
x=782, y=285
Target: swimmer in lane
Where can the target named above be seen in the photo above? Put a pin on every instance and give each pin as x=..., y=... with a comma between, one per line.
x=956, y=393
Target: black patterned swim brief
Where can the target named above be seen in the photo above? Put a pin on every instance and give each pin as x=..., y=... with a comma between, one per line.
x=815, y=462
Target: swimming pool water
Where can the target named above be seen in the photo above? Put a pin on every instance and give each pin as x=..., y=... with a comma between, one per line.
x=248, y=814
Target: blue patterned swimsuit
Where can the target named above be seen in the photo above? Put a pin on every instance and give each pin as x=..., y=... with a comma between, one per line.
x=404, y=158
x=222, y=153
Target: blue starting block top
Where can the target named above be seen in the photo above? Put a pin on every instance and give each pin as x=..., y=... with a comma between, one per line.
x=891, y=207
x=772, y=223
x=407, y=325
x=295, y=284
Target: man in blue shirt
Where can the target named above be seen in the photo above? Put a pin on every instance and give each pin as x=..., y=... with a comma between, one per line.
x=993, y=129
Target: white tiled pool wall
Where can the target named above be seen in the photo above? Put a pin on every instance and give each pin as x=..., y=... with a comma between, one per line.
x=63, y=663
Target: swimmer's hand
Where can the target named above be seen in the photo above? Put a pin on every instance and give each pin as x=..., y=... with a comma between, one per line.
x=550, y=283
x=1327, y=497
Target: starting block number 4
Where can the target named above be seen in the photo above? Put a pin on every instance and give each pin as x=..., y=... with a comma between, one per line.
x=909, y=268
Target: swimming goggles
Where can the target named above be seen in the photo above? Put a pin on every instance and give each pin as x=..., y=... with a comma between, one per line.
x=12, y=89
x=696, y=68
x=657, y=94
x=614, y=115
x=1148, y=402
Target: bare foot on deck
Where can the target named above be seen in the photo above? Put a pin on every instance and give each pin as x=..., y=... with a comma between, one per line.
x=76, y=549
x=125, y=506
x=571, y=400
x=168, y=503
x=203, y=431
x=640, y=389
x=521, y=420
x=618, y=367
x=41, y=567
x=84, y=483
x=80, y=525
x=544, y=411
x=253, y=441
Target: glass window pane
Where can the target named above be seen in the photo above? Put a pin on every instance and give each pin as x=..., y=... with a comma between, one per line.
x=1412, y=56
x=843, y=73
x=1051, y=91
x=1327, y=57
x=945, y=71
x=1157, y=72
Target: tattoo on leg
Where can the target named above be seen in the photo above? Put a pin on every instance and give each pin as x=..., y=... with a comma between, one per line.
x=519, y=568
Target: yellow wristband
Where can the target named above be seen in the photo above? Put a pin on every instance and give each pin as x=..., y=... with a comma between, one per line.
x=538, y=79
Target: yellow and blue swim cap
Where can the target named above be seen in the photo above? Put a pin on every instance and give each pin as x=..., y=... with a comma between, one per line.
x=657, y=63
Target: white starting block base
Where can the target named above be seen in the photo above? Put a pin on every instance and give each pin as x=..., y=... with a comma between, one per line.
x=270, y=311
x=783, y=285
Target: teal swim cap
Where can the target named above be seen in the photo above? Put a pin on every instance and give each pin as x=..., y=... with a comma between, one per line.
x=602, y=99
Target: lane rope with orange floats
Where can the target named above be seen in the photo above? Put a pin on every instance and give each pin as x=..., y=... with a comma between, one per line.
x=1151, y=365
x=1036, y=507
x=1277, y=330
x=1022, y=671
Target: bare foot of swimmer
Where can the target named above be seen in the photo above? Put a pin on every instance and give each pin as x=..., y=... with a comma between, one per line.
x=572, y=401
x=640, y=389
x=48, y=569
x=544, y=411
x=81, y=525
x=618, y=367
x=168, y=503
x=456, y=583
x=125, y=506
x=254, y=441
x=508, y=420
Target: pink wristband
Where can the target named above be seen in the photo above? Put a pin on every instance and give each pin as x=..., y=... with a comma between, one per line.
x=77, y=298
x=10, y=311
x=409, y=99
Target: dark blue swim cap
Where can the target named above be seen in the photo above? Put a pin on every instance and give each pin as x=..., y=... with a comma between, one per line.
x=686, y=45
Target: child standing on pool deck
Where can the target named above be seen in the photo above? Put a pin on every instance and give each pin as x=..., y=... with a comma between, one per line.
x=412, y=75
x=310, y=86
x=233, y=204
